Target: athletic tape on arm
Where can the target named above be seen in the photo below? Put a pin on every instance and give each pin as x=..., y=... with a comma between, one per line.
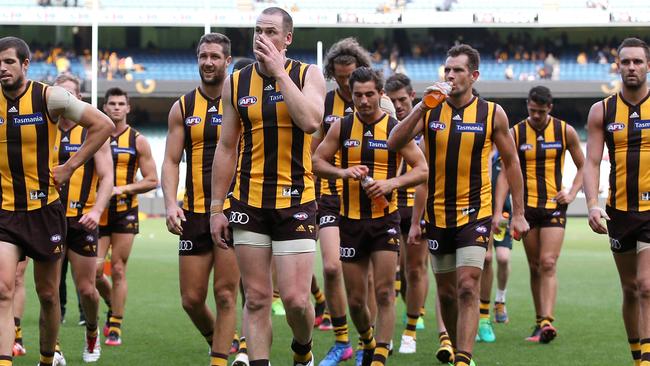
x=61, y=99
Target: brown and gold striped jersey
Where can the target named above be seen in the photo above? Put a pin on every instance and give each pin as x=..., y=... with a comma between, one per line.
x=406, y=196
x=541, y=157
x=80, y=193
x=202, y=125
x=335, y=108
x=274, y=165
x=27, y=138
x=627, y=135
x=125, y=164
x=458, y=143
x=367, y=144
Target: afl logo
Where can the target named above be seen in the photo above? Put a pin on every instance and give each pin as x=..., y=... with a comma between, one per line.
x=330, y=119
x=437, y=126
x=192, y=121
x=301, y=216
x=351, y=143
x=247, y=101
x=613, y=127
x=525, y=147
x=481, y=229
x=55, y=238
x=2, y=121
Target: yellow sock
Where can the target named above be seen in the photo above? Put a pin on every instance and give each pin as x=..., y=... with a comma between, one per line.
x=380, y=355
x=115, y=325
x=341, y=329
x=6, y=361
x=368, y=339
x=462, y=358
x=301, y=352
x=423, y=312
x=645, y=352
x=242, y=345
x=484, y=309
x=444, y=339
x=218, y=359
x=319, y=296
x=411, y=323
x=46, y=358
x=635, y=349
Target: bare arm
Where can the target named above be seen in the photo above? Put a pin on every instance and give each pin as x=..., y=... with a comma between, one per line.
x=500, y=195
x=147, y=165
x=104, y=170
x=595, y=146
x=325, y=153
x=306, y=106
x=170, y=168
x=573, y=145
x=407, y=129
x=506, y=146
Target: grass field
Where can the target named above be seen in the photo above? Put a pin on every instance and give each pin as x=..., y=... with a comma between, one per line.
x=157, y=331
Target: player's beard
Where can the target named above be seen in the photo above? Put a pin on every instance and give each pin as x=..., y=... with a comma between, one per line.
x=635, y=84
x=216, y=80
x=15, y=85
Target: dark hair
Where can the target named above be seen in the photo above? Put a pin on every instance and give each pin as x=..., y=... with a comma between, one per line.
x=398, y=81
x=634, y=42
x=365, y=74
x=345, y=52
x=473, y=57
x=287, y=21
x=540, y=95
x=217, y=38
x=241, y=63
x=62, y=78
x=115, y=92
x=22, y=49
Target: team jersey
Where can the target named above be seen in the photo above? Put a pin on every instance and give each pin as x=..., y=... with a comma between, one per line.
x=125, y=164
x=541, y=156
x=627, y=135
x=406, y=196
x=274, y=165
x=80, y=193
x=458, y=143
x=335, y=108
x=202, y=127
x=367, y=144
x=27, y=138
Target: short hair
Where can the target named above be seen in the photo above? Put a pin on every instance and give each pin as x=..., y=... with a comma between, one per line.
x=115, y=92
x=287, y=21
x=62, y=78
x=21, y=47
x=217, y=38
x=634, y=42
x=473, y=57
x=241, y=63
x=540, y=95
x=398, y=81
x=347, y=51
x=365, y=74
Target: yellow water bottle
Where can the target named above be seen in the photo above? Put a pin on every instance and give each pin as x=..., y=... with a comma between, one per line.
x=503, y=226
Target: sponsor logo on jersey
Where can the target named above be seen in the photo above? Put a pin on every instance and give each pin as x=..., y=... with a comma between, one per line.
x=470, y=127
x=71, y=147
x=378, y=144
x=551, y=145
x=124, y=150
x=216, y=120
x=642, y=125
x=29, y=119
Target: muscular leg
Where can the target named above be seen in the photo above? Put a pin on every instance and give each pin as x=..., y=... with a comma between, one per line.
x=194, y=276
x=9, y=255
x=384, y=264
x=487, y=277
x=122, y=244
x=532, y=247
x=255, y=266
x=643, y=285
x=503, y=267
x=416, y=276
x=550, y=244
x=19, y=292
x=46, y=279
x=294, y=280
x=447, y=295
x=372, y=300
x=101, y=282
x=332, y=271
x=468, y=286
x=626, y=263
x=356, y=286
x=226, y=282
x=83, y=272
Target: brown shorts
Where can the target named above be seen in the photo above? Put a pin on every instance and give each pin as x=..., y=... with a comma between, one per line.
x=359, y=238
x=447, y=240
x=79, y=240
x=196, y=238
x=282, y=224
x=627, y=228
x=329, y=211
x=405, y=214
x=542, y=217
x=39, y=234
x=125, y=222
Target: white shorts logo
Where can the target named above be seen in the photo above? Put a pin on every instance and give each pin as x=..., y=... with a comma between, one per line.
x=185, y=245
x=347, y=252
x=90, y=238
x=130, y=217
x=239, y=218
x=327, y=219
x=392, y=231
x=55, y=238
x=615, y=244
x=433, y=244
x=301, y=216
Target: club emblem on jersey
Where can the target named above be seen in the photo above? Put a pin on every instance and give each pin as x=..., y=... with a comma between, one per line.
x=192, y=121
x=525, y=147
x=642, y=125
x=467, y=210
x=247, y=101
x=37, y=195
x=289, y=192
x=437, y=126
x=616, y=126
x=215, y=120
x=351, y=143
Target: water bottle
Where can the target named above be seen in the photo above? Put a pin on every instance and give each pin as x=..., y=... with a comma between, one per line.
x=503, y=226
x=380, y=202
x=434, y=98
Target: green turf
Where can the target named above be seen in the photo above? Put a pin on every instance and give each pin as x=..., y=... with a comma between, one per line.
x=157, y=331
